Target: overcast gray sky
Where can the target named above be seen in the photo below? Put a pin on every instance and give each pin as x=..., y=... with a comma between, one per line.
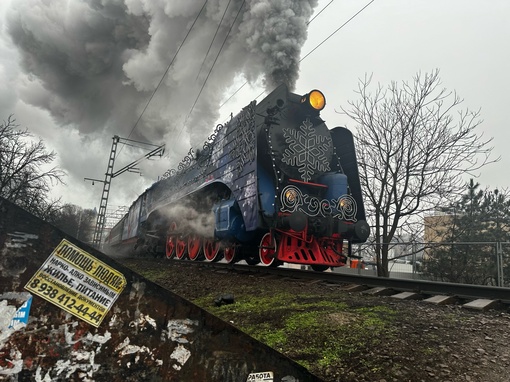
x=75, y=72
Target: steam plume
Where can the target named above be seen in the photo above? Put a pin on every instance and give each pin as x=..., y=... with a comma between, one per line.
x=95, y=63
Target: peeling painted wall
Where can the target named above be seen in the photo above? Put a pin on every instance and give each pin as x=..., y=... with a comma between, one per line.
x=148, y=334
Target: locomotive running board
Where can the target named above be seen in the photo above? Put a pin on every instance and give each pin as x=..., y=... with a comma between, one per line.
x=67, y=311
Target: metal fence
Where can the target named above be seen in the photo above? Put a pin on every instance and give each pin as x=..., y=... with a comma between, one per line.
x=484, y=263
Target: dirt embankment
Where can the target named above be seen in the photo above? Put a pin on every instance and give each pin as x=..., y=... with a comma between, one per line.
x=342, y=336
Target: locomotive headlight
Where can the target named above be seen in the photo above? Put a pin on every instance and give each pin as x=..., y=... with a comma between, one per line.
x=290, y=196
x=315, y=99
x=347, y=207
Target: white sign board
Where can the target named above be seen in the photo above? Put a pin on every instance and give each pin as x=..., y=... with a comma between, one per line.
x=78, y=283
x=265, y=376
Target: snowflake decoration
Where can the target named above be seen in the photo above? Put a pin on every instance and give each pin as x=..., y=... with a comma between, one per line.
x=228, y=175
x=307, y=150
x=244, y=148
x=218, y=146
x=250, y=190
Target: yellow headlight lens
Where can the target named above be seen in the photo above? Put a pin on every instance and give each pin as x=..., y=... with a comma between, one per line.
x=317, y=100
x=290, y=196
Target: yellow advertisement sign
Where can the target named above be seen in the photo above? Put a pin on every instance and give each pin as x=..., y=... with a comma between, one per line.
x=78, y=283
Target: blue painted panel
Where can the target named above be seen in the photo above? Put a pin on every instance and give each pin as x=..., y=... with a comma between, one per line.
x=229, y=157
x=337, y=184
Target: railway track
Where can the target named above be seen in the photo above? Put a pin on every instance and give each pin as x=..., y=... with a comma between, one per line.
x=421, y=287
x=472, y=296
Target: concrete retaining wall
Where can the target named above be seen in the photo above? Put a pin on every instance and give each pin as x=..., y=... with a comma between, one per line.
x=121, y=327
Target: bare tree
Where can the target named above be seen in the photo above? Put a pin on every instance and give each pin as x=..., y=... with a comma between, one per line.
x=412, y=152
x=75, y=221
x=24, y=177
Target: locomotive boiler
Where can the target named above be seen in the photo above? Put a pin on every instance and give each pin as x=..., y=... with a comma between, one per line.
x=272, y=185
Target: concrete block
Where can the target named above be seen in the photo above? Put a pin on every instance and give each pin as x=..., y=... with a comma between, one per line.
x=440, y=300
x=354, y=288
x=379, y=291
x=480, y=304
x=407, y=296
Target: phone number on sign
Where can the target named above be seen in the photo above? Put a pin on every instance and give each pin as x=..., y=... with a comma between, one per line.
x=64, y=300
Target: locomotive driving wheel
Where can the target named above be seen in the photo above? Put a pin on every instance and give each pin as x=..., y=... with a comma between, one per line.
x=229, y=253
x=268, y=250
x=194, y=246
x=211, y=250
x=171, y=241
x=180, y=247
x=170, y=246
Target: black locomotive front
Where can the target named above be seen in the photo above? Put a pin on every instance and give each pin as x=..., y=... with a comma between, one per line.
x=306, y=197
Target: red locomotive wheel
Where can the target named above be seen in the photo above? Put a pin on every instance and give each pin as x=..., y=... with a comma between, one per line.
x=211, y=249
x=180, y=248
x=229, y=253
x=170, y=246
x=268, y=250
x=171, y=241
x=194, y=246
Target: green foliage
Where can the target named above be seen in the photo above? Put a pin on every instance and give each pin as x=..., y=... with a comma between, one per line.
x=480, y=216
x=349, y=331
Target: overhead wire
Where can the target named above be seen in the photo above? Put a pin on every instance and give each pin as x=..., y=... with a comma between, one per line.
x=314, y=17
x=219, y=52
x=340, y=27
x=214, y=37
x=212, y=66
x=243, y=85
x=165, y=73
x=322, y=42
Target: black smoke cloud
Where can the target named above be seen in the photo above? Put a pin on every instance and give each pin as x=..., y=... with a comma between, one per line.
x=99, y=61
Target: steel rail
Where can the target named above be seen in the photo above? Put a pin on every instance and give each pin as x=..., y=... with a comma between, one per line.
x=423, y=287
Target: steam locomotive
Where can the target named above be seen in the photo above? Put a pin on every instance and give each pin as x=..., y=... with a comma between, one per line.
x=272, y=185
